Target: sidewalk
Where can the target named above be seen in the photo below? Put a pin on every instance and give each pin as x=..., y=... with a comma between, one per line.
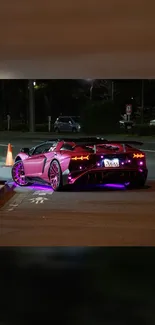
x=5, y=172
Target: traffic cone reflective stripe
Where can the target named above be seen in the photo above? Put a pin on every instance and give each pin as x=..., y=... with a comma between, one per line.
x=9, y=157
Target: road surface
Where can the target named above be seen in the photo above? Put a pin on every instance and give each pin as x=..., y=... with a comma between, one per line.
x=37, y=216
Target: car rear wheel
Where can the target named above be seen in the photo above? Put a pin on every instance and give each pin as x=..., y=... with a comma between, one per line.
x=18, y=174
x=55, y=175
x=139, y=183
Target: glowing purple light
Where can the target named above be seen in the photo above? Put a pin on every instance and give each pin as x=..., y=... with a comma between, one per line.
x=98, y=164
x=101, y=157
x=119, y=186
x=69, y=177
x=122, y=163
x=127, y=184
x=129, y=161
x=41, y=187
x=80, y=167
x=141, y=163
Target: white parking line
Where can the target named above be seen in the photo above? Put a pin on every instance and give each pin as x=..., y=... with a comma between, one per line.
x=148, y=150
x=4, y=145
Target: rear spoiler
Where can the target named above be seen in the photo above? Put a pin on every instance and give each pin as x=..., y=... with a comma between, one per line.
x=96, y=140
x=100, y=141
x=78, y=139
x=138, y=143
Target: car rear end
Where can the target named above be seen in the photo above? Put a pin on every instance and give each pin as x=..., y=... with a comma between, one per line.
x=108, y=168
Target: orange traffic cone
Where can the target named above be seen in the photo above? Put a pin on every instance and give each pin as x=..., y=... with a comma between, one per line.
x=9, y=157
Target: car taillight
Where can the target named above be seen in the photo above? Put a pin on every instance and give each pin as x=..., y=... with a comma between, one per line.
x=140, y=159
x=138, y=155
x=80, y=158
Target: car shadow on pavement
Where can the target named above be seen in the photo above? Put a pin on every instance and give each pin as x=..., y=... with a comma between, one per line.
x=103, y=188
x=78, y=188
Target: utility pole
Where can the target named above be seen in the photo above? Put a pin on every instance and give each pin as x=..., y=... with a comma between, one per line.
x=142, y=102
x=112, y=90
x=3, y=100
x=91, y=89
x=31, y=106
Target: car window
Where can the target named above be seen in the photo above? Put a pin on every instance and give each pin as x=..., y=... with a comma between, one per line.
x=67, y=146
x=70, y=120
x=76, y=119
x=65, y=119
x=44, y=148
x=60, y=119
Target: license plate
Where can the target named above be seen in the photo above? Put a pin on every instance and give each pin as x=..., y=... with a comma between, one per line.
x=111, y=162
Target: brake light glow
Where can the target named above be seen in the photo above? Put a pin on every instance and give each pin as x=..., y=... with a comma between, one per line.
x=80, y=158
x=138, y=155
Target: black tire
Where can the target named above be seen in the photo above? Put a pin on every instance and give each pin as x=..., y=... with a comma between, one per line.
x=139, y=183
x=74, y=130
x=56, y=130
x=55, y=175
x=18, y=169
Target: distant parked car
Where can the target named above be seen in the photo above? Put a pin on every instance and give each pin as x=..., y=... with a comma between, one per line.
x=126, y=124
x=67, y=124
x=152, y=123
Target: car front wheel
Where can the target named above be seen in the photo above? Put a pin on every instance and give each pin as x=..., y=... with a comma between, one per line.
x=18, y=174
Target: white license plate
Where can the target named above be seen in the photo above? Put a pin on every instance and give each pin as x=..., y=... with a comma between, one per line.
x=111, y=162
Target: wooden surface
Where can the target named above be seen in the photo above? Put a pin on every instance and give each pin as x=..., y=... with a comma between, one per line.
x=81, y=38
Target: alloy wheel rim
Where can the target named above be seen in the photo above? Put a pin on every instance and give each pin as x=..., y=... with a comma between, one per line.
x=54, y=175
x=18, y=174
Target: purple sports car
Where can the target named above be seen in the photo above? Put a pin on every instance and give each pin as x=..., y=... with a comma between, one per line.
x=88, y=160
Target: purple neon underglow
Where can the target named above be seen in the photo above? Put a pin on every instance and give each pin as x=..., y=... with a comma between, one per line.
x=37, y=187
x=41, y=187
x=117, y=186
x=49, y=189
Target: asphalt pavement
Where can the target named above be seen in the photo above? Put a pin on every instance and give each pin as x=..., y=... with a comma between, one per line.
x=38, y=216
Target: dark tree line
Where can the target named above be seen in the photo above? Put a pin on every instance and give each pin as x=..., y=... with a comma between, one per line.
x=53, y=97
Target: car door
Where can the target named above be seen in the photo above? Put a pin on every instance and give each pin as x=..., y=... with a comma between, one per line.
x=60, y=124
x=70, y=125
x=63, y=127
x=67, y=124
x=34, y=165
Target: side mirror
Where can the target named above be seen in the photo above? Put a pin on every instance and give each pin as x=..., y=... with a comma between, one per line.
x=25, y=150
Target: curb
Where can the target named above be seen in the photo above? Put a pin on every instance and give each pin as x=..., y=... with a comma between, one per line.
x=6, y=192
